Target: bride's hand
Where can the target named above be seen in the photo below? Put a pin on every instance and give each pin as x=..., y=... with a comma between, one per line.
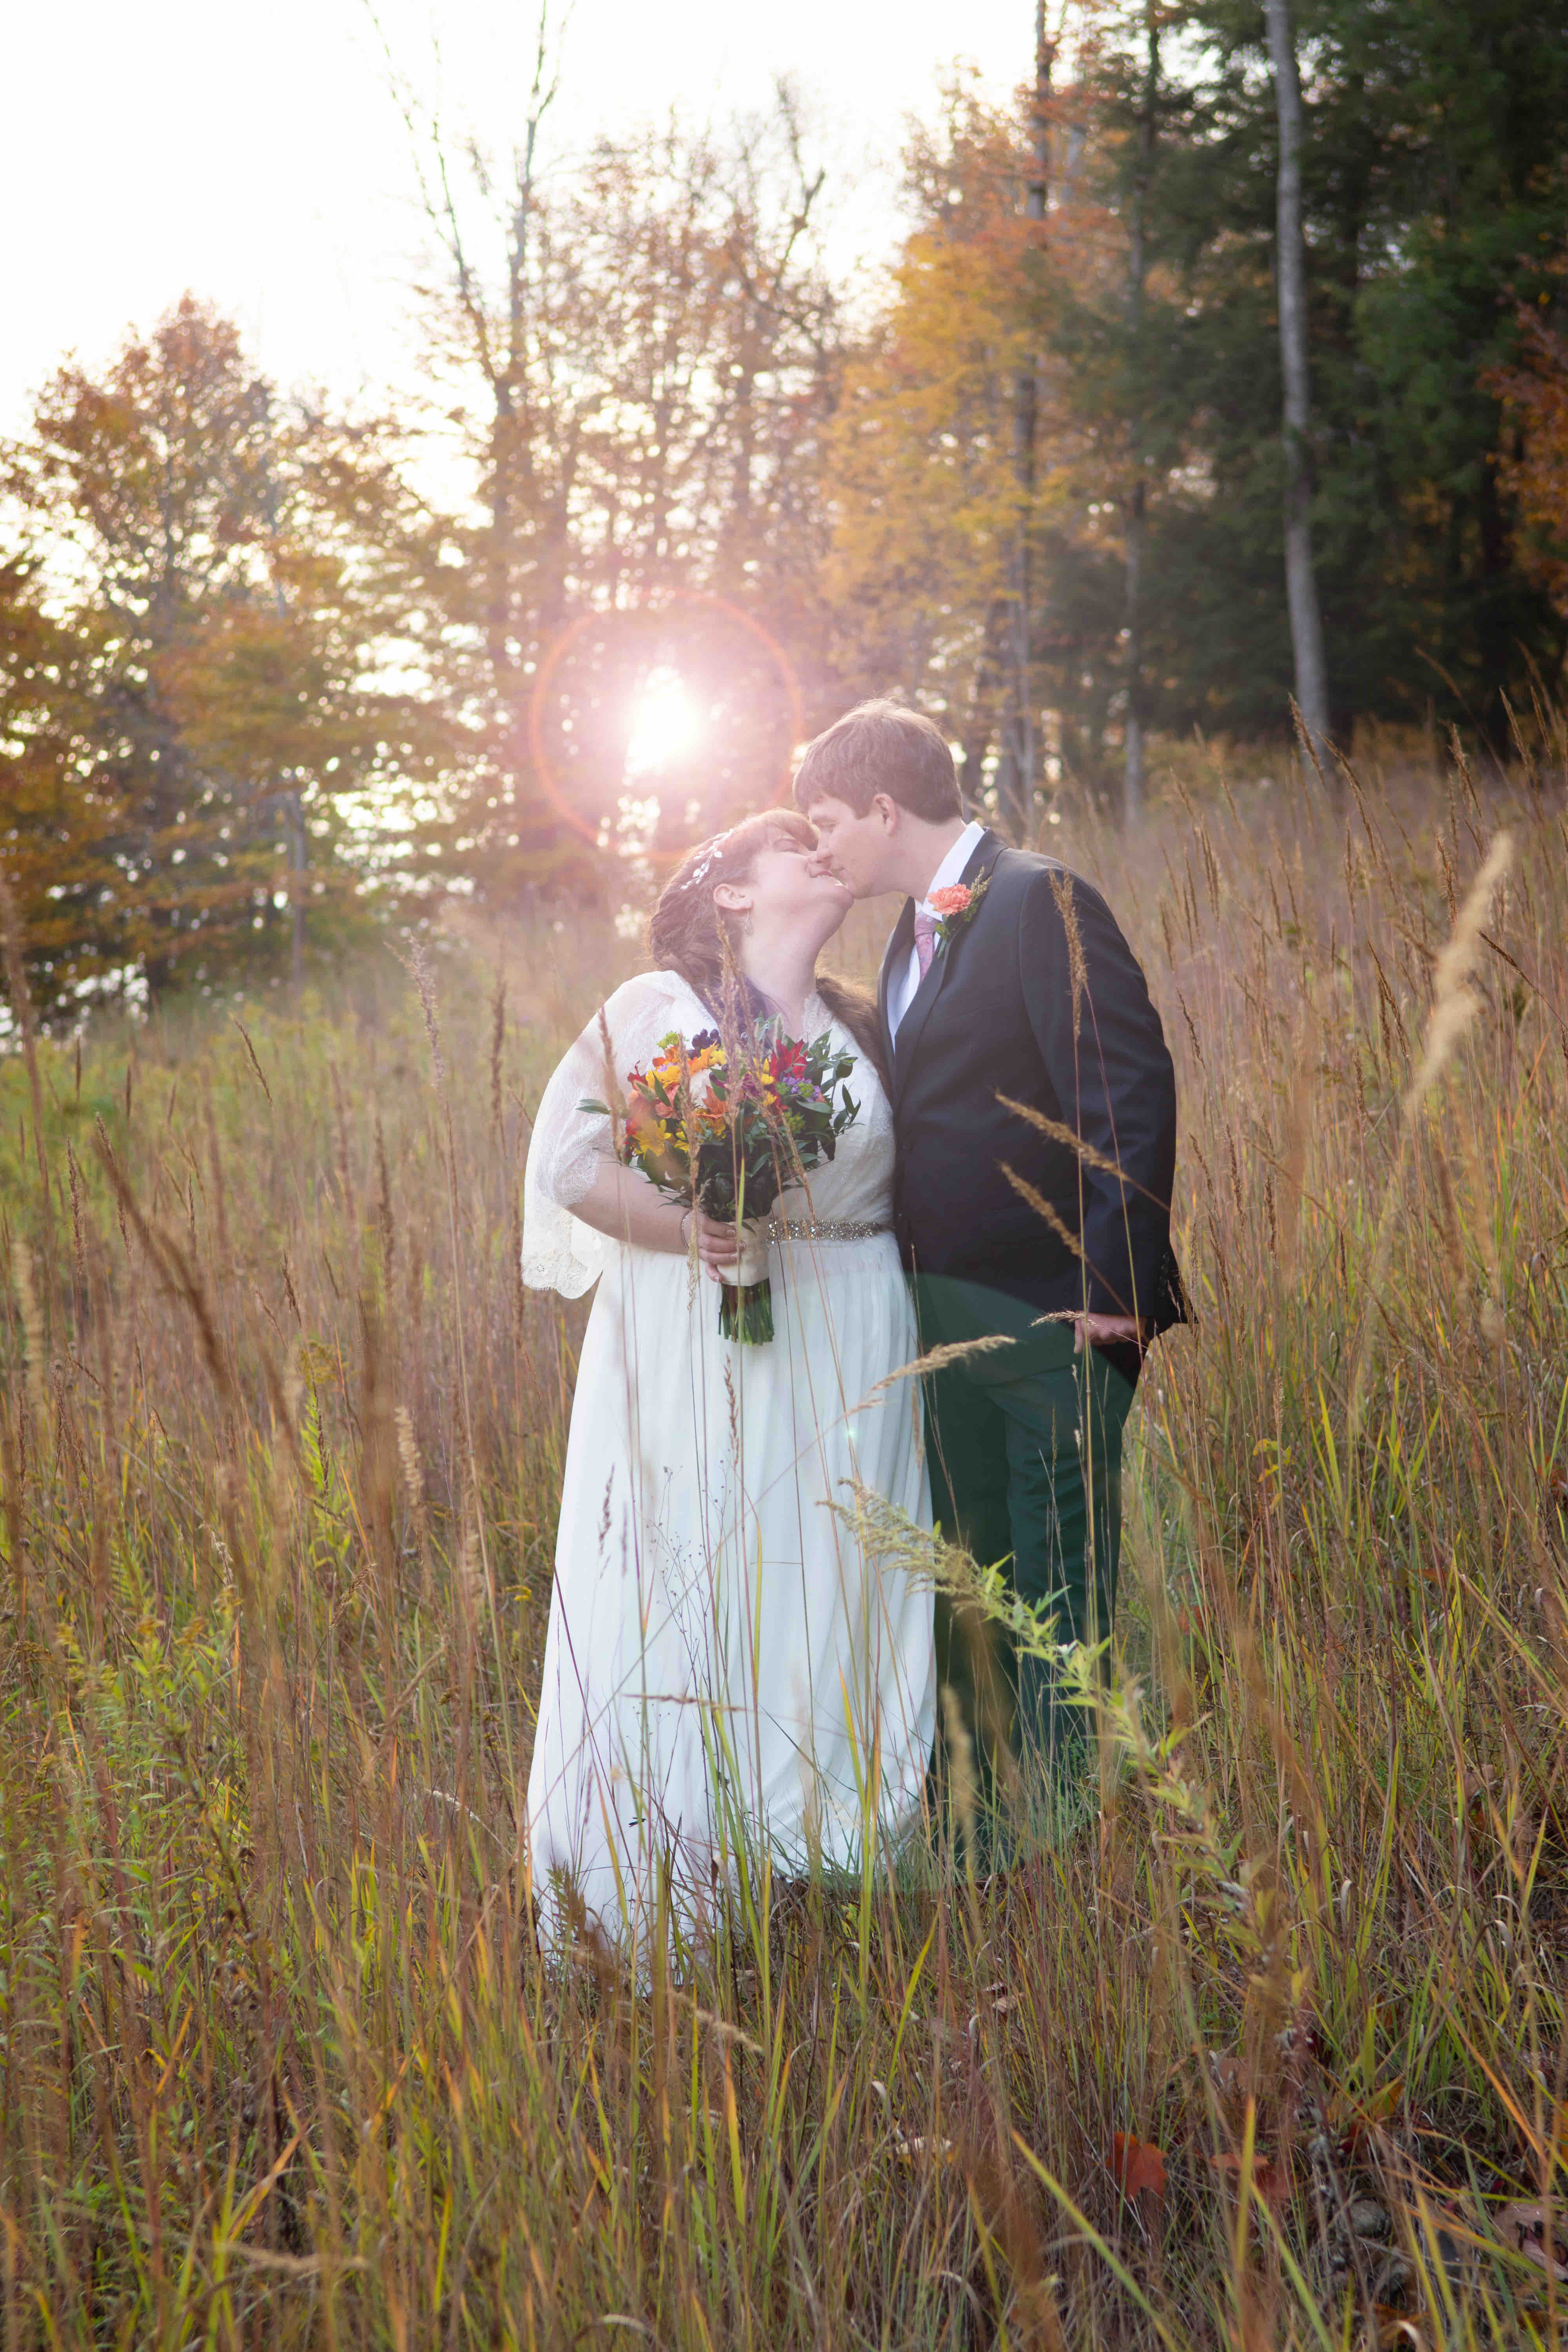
x=716, y=1240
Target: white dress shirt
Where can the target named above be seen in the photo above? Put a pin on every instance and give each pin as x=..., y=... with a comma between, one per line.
x=902, y=986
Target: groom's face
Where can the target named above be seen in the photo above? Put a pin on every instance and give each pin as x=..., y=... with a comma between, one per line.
x=856, y=848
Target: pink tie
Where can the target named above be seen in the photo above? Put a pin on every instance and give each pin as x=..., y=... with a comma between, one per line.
x=925, y=938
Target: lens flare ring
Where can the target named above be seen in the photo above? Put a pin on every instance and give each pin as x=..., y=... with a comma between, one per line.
x=556, y=652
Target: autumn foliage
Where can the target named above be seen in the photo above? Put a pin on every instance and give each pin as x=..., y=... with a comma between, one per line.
x=277, y=677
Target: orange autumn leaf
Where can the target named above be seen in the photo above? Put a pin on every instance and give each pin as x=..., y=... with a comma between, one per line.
x=1138, y=2166
x=1271, y=2181
x=1536, y=391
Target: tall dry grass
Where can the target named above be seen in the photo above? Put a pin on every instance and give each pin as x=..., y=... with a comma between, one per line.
x=1266, y=2047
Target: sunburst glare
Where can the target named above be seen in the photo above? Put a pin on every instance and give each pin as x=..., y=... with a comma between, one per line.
x=666, y=724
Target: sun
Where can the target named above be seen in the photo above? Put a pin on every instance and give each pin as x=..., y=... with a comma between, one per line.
x=666, y=723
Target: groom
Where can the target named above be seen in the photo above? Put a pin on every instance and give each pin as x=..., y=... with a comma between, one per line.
x=1034, y=1113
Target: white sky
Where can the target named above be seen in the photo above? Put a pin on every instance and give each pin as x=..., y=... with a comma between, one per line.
x=254, y=154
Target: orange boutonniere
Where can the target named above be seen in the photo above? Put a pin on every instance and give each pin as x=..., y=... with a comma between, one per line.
x=955, y=906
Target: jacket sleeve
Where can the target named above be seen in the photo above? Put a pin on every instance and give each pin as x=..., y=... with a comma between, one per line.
x=1106, y=1055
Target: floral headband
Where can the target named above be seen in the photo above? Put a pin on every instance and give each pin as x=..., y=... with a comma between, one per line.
x=705, y=864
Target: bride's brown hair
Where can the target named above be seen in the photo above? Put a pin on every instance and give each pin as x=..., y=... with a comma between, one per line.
x=690, y=935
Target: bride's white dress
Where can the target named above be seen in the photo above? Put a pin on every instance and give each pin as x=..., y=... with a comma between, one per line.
x=724, y=1666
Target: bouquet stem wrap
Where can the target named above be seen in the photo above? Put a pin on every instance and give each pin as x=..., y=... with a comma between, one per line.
x=746, y=1293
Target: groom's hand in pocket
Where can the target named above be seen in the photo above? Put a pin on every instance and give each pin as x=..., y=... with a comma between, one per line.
x=1104, y=1331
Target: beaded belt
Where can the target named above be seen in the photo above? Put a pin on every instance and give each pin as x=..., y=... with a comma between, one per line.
x=822, y=1229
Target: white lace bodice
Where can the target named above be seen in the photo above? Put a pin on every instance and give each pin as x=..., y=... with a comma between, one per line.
x=558, y=1250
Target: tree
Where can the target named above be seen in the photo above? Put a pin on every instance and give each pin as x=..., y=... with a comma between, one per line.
x=1163, y=510
x=189, y=689
x=1432, y=175
x=638, y=362
x=931, y=504
x=62, y=806
x=1290, y=273
x=1535, y=390
x=1138, y=497
x=1016, y=770
x=924, y=484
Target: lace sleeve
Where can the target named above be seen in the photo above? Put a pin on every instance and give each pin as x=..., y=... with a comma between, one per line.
x=558, y=1250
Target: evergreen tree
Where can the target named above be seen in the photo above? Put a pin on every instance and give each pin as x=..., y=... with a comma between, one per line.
x=1433, y=178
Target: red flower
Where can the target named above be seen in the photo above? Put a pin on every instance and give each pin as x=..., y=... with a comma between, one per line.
x=787, y=1061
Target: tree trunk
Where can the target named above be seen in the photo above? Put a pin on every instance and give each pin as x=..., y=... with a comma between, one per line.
x=1137, y=503
x=1491, y=631
x=979, y=724
x=298, y=847
x=1137, y=538
x=1015, y=767
x=1300, y=580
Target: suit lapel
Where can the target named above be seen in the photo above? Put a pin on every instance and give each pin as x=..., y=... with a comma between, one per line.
x=895, y=955
x=982, y=857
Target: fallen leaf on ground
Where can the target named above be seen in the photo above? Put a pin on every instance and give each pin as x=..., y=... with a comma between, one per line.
x=1271, y=2181
x=1138, y=2166
x=1354, y=2118
x=1523, y=2226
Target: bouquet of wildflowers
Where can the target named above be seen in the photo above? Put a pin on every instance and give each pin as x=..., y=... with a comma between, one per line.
x=725, y=1127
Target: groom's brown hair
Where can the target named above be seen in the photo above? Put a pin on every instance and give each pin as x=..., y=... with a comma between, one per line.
x=881, y=747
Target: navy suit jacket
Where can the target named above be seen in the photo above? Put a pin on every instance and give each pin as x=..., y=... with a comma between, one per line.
x=997, y=1016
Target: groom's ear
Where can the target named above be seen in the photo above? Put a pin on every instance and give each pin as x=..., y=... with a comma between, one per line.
x=885, y=807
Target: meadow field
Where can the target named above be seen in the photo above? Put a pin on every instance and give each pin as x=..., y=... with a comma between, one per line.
x=1266, y=2047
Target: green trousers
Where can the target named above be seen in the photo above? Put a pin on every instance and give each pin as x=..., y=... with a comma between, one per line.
x=1024, y=1447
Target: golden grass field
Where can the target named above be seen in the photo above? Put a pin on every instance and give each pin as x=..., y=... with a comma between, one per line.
x=1267, y=2049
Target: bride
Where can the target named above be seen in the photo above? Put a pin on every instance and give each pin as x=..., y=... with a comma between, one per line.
x=725, y=1670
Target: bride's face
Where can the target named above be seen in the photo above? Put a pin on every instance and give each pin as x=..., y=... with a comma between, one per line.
x=790, y=893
